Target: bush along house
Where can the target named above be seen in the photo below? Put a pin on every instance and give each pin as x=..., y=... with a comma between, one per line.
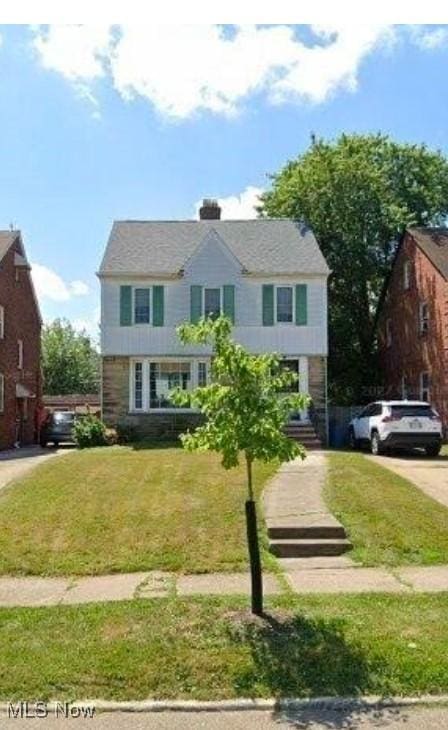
x=267, y=275
x=412, y=320
x=20, y=325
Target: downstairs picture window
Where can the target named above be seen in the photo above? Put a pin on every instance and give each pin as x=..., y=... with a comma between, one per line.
x=164, y=377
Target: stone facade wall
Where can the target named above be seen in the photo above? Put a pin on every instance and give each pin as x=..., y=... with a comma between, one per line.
x=22, y=322
x=317, y=387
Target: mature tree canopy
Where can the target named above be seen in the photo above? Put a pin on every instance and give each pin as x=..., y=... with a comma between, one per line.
x=70, y=362
x=358, y=194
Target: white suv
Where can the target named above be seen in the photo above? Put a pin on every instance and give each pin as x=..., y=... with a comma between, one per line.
x=397, y=424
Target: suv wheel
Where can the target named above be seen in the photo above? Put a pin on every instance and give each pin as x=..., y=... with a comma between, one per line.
x=433, y=450
x=353, y=441
x=375, y=444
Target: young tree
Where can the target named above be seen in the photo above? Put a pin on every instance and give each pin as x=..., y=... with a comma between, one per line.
x=245, y=408
x=70, y=361
x=358, y=194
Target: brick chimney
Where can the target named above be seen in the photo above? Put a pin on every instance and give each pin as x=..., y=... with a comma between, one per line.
x=209, y=210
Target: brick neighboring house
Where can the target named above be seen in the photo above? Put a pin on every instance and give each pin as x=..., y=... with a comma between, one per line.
x=20, y=325
x=413, y=320
x=268, y=275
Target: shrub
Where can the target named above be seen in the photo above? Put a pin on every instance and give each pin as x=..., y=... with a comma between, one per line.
x=89, y=431
x=126, y=433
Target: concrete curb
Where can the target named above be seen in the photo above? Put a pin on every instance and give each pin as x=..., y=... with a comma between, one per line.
x=341, y=704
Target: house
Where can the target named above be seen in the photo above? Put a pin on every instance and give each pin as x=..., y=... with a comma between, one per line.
x=413, y=320
x=77, y=402
x=20, y=324
x=268, y=275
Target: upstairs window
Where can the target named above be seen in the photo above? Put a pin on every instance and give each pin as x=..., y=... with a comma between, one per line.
x=424, y=387
x=284, y=303
x=20, y=354
x=406, y=275
x=424, y=318
x=212, y=303
x=141, y=306
x=2, y=322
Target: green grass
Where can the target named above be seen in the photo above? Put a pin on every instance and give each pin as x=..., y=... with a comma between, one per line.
x=120, y=509
x=314, y=645
x=388, y=519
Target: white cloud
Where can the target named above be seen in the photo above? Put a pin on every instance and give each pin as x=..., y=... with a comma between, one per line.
x=429, y=38
x=49, y=285
x=237, y=207
x=89, y=324
x=183, y=69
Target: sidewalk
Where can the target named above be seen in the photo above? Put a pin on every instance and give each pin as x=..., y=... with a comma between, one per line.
x=36, y=591
x=16, y=463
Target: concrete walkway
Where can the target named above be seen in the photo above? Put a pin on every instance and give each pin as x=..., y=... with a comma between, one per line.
x=35, y=591
x=18, y=462
x=429, y=475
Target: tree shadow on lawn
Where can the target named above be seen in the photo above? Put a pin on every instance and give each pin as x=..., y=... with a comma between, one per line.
x=153, y=444
x=297, y=656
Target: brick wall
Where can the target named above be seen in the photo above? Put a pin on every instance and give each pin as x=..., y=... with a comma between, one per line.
x=411, y=352
x=21, y=323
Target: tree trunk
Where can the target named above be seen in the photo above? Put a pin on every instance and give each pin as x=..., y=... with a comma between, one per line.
x=252, y=542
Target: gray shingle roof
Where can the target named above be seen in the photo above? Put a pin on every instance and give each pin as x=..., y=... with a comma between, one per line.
x=261, y=246
x=434, y=243
x=7, y=238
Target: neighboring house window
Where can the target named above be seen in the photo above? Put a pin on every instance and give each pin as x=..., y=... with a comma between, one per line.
x=424, y=318
x=141, y=306
x=284, y=303
x=406, y=275
x=20, y=354
x=404, y=388
x=138, y=386
x=165, y=377
x=212, y=302
x=388, y=332
x=2, y=322
x=2, y=393
x=424, y=386
x=202, y=374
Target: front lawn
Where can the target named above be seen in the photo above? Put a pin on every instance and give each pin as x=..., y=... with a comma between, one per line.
x=312, y=645
x=120, y=509
x=388, y=519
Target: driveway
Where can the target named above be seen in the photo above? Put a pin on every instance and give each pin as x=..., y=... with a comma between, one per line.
x=17, y=462
x=430, y=475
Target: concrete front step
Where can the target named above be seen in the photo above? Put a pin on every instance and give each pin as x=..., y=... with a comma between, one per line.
x=290, y=548
x=306, y=532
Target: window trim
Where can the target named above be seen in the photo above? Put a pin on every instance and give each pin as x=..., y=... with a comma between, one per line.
x=221, y=298
x=142, y=324
x=146, y=409
x=407, y=275
x=2, y=322
x=423, y=322
x=293, y=303
x=20, y=354
x=2, y=394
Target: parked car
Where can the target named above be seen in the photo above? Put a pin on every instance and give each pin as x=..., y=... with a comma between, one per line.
x=58, y=428
x=387, y=425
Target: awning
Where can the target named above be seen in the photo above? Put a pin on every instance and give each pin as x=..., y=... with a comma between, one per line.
x=23, y=392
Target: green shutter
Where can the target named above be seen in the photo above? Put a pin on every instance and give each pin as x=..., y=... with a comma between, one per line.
x=229, y=302
x=301, y=304
x=125, y=306
x=195, y=303
x=158, y=305
x=268, y=305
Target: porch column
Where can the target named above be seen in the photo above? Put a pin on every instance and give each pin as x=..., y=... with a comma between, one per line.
x=303, y=383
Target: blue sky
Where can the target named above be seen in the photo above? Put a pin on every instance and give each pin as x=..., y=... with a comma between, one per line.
x=141, y=122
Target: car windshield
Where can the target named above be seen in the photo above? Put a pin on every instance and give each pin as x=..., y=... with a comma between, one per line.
x=413, y=411
x=64, y=417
